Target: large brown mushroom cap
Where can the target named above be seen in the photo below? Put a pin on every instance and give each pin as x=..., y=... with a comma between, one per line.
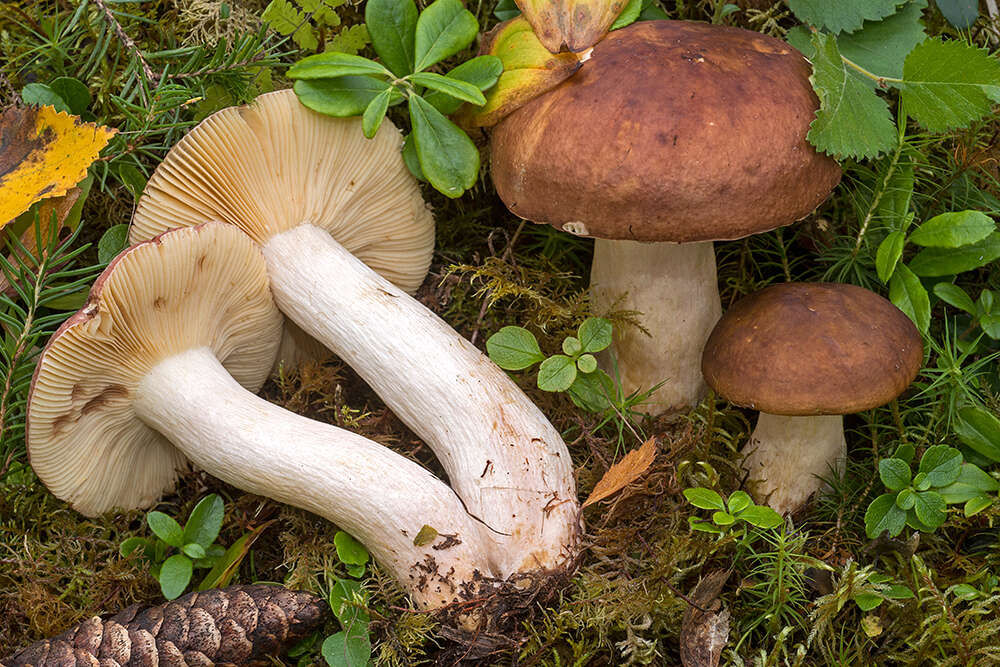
x=671, y=131
x=812, y=349
x=274, y=164
x=204, y=286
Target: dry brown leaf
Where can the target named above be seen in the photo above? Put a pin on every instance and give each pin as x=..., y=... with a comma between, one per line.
x=43, y=153
x=571, y=25
x=624, y=472
x=705, y=631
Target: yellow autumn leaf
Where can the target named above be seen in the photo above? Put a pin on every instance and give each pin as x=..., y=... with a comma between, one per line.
x=570, y=25
x=624, y=472
x=529, y=70
x=43, y=153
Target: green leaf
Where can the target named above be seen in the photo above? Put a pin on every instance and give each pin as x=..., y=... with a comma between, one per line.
x=591, y=391
x=283, y=17
x=375, y=112
x=332, y=64
x=175, y=574
x=356, y=571
x=951, y=230
x=899, y=592
x=844, y=15
x=347, y=649
x=482, y=72
x=723, y=518
x=203, y=525
x=941, y=464
x=971, y=482
x=979, y=429
x=411, y=159
x=348, y=600
x=934, y=262
x=448, y=158
x=907, y=294
x=572, y=346
x=132, y=178
x=228, y=562
x=920, y=481
x=629, y=14
x=460, y=90
x=883, y=516
x=960, y=13
x=867, y=601
x=852, y=120
x=350, y=39
x=586, y=363
x=905, y=452
x=897, y=190
x=112, y=242
x=349, y=550
x=704, y=526
x=881, y=46
x=341, y=97
x=556, y=373
x=949, y=84
x=506, y=10
x=930, y=508
x=888, y=254
x=165, y=528
x=513, y=348
x=761, y=516
x=425, y=536
x=595, y=334
x=906, y=498
x=74, y=93
x=705, y=499
x=194, y=551
x=322, y=11
x=39, y=94
x=895, y=474
x=131, y=544
x=443, y=29
x=739, y=501
x=976, y=505
x=392, y=26
x=955, y=296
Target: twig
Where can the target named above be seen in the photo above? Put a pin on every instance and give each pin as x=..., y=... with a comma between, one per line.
x=486, y=297
x=126, y=40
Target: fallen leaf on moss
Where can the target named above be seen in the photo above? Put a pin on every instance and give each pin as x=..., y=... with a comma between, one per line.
x=705, y=628
x=624, y=472
x=572, y=25
x=43, y=153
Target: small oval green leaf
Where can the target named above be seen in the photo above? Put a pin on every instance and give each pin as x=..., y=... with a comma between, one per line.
x=513, y=348
x=556, y=373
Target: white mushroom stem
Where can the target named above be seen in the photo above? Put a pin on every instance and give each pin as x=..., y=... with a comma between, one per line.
x=786, y=456
x=502, y=456
x=674, y=287
x=378, y=496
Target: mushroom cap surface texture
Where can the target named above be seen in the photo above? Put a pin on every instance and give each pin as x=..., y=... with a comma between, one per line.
x=670, y=131
x=274, y=164
x=812, y=349
x=204, y=286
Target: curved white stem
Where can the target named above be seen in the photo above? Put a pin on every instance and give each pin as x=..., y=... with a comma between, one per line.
x=786, y=456
x=378, y=496
x=675, y=288
x=502, y=456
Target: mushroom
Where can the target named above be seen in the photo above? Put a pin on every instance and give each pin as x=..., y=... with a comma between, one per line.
x=241, y=165
x=805, y=354
x=670, y=136
x=159, y=368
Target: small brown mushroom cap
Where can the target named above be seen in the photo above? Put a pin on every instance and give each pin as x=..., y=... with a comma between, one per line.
x=670, y=131
x=203, y=286
x=812, y=349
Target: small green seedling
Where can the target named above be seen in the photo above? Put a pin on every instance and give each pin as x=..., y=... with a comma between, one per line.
x=409, y=44
x=728, y=514
x=920, y=501
x=352, y=646
x=575, y=371
x=195, y=545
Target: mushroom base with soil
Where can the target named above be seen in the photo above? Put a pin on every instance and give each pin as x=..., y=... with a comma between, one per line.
x=674, y=287
x=787, y=456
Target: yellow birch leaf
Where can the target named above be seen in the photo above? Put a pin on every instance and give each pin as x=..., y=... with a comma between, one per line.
x=570, y=25
x=43, y=153
x=529, y=70
x=624, y=472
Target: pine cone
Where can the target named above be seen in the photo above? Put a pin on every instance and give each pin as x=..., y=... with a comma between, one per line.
x=238, y=625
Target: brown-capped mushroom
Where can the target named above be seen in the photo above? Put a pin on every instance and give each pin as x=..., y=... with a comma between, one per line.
x=159, y=368
x=804, y=354
x=670, y=136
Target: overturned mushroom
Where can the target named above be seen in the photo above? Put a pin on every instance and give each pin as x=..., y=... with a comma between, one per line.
x=502, y=456
x=159, y=368
x=804, y=354
x=672, y=135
